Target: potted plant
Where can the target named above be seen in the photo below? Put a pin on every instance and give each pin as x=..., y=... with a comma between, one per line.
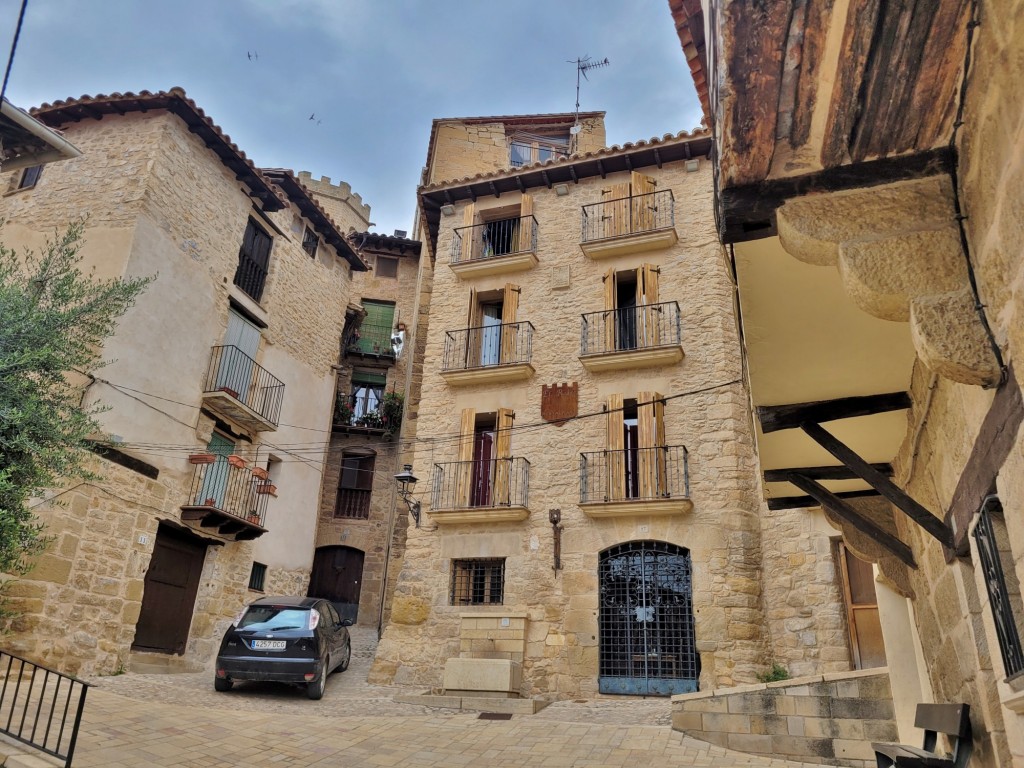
x=236, y=461
x=202, y=458
x=342, y=411
x=391, y=408
x=371, y=420
x=254, y=518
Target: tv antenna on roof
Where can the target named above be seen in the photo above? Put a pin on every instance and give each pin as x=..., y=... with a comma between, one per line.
x=583, y=66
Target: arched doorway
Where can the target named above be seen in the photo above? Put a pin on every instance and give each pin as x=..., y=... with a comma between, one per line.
x=337, y=576
x=645, y=620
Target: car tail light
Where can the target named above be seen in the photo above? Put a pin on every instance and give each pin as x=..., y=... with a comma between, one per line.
x=221, y=673
x=309, y=676
x=314, y=619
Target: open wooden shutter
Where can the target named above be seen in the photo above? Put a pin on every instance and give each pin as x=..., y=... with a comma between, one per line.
x=608, y=317
x=464, y=469
x=616, y=453
x=618, y=213
x=649, y=315
x=474, y=331
x=503, y=457
x=643, y=202
x=509, y=326
x=525, y=233
x=651, y=441
x=468, y=219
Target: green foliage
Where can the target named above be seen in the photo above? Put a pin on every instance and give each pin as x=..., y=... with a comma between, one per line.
x=342, y=410
x=776, y=673
x=54, y=319
x=391, y=407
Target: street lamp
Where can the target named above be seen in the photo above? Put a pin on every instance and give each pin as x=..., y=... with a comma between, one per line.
x=406, y=481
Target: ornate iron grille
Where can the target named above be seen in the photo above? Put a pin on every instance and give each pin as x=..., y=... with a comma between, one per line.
x=999, y=596
x=478, y=582
x=628, y=328
x=646, y=621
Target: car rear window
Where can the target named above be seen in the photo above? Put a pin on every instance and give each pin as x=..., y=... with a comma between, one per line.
x=274, y=617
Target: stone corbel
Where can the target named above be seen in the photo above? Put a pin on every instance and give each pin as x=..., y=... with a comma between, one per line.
x=897, y=248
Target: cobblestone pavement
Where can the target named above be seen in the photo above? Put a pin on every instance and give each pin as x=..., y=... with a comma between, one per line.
x=178, y=720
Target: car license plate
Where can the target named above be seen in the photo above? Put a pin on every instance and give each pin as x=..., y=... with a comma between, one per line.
x=268, y=645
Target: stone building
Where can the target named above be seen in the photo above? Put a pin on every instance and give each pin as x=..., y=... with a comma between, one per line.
x=869, y=188
x=220, y=375
x=591, y=516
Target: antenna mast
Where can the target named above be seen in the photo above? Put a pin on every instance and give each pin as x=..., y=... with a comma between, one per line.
x=583, y=65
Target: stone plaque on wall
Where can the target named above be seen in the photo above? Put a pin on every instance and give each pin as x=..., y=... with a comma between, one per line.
x=559, y=402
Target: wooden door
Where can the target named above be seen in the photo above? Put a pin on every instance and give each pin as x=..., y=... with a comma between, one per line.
x=337, y=576
x=213, y=490
x=170, y=592
x=483, y=467
x=866, y=644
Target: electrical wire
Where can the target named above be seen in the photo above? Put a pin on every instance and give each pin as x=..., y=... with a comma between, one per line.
x=14, y=47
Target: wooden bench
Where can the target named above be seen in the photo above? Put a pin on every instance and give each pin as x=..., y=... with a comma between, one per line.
x=951, y=719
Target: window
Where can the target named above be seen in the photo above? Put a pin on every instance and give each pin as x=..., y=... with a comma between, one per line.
x=30, y=177
x=386, y=267
x=367, y=393
x=637, y=461
x=493, y=336
x=486, y=450
x=526, y=148
x=865, y=631
x=310, y=242
x=253, y=261
x=499, y=231
x=478, y=582
x=355, y=486
x=633, y=316
x=257, y=577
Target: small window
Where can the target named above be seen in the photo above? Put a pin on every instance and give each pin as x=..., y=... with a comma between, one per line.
x=253, y=260
x=257, y=577
x=355, y=486
x=30, y=177
x=310, y=242
x=478, y=582
x=387, y=267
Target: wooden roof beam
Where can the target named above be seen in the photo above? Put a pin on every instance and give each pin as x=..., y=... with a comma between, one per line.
x=776, y=417
x=820, y=473
x=800, y=502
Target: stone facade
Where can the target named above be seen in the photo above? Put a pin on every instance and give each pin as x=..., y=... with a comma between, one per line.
x=160, y=202
x=343, y=205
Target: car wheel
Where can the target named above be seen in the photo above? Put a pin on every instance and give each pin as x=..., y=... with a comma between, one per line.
x=221, y=684
x=315, y=690
x=346, y=657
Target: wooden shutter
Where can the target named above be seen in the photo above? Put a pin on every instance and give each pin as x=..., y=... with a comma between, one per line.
x=503, y=457
x=616, y=453
x=651, y=466
x=643, y=202
x=525, y=233
x=616, y=218
x=509, y=326
x=468, y=219
x=648, y=315
x=474, y=331
x=608, y=317
x=464, y=469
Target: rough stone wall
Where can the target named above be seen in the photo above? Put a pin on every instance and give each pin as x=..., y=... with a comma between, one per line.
x=343, y=205
x=591, y=136
x=722, y=532
x=802, y=594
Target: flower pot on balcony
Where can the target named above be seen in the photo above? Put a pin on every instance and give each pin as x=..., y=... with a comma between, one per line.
x=254, y=518
x=260, y=473
x=210, y=502
x=267, y=488
x=202, y=458
x=236, y=461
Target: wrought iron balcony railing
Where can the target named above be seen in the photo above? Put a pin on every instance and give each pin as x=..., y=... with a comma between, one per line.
x=228, y=491
x=494, y=238
x=635, y=474
x=483, y=483
x=238, y=375
x=369, y=340
x=629, y=328
x=488, y=345
x=1000, y=598
x=628, y=215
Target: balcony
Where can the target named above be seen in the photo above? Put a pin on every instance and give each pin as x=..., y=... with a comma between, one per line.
x=353, y=503
x=373, y=412
x=372, y=342
x=483, y=491
x=488, y=354
x=229, y=500
x=242, y=391
x=629, y=225
x=645, y=336
x=635, y=481
x=494, y=247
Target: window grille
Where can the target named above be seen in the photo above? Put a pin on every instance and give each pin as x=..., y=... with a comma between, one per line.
x=478, y=581
x=355, y=487
x=257, y=577
x=310, y=242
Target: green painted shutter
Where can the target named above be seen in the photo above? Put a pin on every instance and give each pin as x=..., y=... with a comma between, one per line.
x=375, y=331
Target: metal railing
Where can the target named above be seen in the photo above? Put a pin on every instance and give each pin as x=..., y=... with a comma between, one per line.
x=234, y=372
x=522, y=153
x=353, y=502
x=371, y=340
x=232, y=490
x=494, y=238
x=41, y=707
x=628, y=215
x=250, y=275
x=999, y=596
x=640, y=327
x=482, y=483
x=488, y=345
x=635, y=474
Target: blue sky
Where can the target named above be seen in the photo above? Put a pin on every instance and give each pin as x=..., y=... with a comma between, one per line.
x=375, y=72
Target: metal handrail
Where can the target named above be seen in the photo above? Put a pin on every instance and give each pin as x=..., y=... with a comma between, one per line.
x=502, y=482
x=634, y=474
x=235, y=373
x=628, y=215
x=639, y=327
x=232, y=490
x=48, y=705
x=1010, y=647
x=494, y=238
x=488, y=345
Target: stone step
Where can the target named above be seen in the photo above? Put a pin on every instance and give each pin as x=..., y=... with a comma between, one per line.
x=142, y=663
